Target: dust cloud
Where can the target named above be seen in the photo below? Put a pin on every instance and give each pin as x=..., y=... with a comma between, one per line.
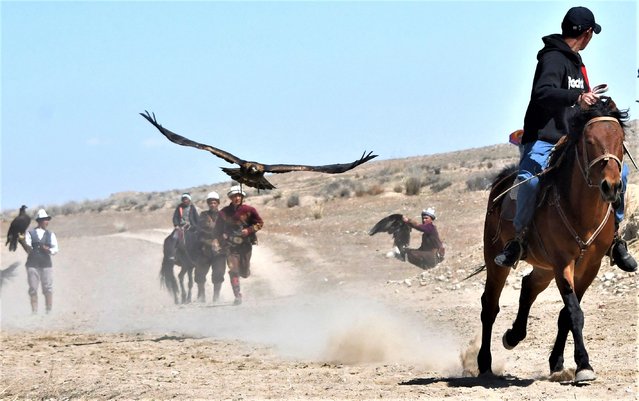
x=111, y=285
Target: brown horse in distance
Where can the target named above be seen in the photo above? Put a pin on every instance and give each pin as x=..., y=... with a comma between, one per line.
x=571, y=232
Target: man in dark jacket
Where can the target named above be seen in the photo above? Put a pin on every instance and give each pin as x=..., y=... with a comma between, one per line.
x=560, y=88
x=211, y=253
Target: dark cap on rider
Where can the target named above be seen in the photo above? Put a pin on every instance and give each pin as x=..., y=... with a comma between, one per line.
x=577, y=21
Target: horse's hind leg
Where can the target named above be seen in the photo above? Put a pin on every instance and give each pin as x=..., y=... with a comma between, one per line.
x=183, y=271
x=189, y=273
x=531, y=286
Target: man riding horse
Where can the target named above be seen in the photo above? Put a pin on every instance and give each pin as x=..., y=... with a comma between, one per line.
x=560, y=89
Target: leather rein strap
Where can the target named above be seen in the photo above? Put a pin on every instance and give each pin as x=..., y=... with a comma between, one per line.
x=555, y=199
x=606, y=156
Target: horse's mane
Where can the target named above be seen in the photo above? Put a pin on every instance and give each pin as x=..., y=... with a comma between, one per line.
x=604, y=107
x=503, y=174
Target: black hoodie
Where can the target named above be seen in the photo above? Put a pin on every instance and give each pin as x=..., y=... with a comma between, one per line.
x=559, y=80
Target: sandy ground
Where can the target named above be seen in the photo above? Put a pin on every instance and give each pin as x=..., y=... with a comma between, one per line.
x=317, y=323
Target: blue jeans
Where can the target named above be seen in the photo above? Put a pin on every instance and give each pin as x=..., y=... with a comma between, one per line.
x=534, y=160
x=619, y=211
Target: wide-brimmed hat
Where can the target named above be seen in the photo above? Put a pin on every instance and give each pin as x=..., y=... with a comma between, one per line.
x=430, y=212
x=42, y=215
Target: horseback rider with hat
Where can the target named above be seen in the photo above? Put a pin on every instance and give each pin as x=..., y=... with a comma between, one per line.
x=560, y=89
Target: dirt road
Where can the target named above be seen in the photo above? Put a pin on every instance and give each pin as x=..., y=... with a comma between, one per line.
x=309, y=329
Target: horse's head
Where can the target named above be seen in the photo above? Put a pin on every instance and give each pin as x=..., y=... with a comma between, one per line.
x=599, y=146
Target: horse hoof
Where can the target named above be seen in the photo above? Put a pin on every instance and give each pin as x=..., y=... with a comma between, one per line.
x=504, y=341
x=585, y=375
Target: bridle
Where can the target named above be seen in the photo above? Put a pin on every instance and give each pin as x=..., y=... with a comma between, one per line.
x=605, y=156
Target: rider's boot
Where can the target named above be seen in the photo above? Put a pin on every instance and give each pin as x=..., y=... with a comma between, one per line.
x=235, y=284
x=201, y=292
x=34, y=303
x=48, y=301
x=512, y=253
x=620, y=255
x=216, y=291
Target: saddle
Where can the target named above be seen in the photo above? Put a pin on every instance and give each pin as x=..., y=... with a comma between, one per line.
x=556, y=158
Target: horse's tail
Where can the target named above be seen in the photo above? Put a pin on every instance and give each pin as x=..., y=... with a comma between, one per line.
x=167, y=278
x=476, y=272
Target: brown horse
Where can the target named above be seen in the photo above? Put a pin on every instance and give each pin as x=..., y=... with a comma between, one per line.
x=571, y=232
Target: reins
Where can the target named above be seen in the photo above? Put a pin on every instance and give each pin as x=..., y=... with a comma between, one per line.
x=606, y=156
x=555, y=201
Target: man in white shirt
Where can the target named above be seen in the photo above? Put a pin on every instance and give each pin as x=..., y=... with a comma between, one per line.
x=40, y=244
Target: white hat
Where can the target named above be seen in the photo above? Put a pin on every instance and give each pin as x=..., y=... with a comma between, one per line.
x=42, y=215
x=213, y=195
x=429, y=212
x=235, y=189
x=185, y=195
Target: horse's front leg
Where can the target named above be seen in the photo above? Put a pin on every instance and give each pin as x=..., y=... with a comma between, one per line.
x=495, y=280
x=531, y=286
x=571, y=318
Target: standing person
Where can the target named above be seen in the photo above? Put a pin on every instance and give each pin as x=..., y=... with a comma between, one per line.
x=40, y=244
x=241, y=222
x=560, y=89
x=211, y=255
x=432, y=250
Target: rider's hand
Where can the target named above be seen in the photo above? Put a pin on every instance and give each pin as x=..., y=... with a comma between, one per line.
x=587, y=99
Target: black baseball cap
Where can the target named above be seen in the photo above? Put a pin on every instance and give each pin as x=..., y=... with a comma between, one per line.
x=577, y=21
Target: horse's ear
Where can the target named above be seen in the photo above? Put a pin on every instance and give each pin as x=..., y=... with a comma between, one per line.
x=612, y=106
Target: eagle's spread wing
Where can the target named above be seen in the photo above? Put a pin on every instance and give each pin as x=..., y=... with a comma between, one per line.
x=329, y=168
x=180, y=140
x=8, y=273
x=393, y=224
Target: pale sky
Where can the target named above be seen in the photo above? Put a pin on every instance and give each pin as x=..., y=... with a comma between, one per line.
x=276, y=82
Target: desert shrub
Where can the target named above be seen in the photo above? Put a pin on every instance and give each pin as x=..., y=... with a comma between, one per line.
x=429, y=180
x=293, y=200
x=440, y=186
x=318, y=212
x=375, y=189
x=413, y=185
x=70, y=208
x=398, y=188
x=480, y=182
x=340, y=188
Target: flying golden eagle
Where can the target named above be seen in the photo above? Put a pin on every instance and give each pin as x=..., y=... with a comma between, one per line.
x=252, y=173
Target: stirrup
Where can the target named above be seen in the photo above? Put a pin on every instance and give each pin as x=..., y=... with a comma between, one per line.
x=501, y=259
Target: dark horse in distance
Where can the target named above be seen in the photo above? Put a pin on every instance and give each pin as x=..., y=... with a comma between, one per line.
x=571, y=232
x=180, y=248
